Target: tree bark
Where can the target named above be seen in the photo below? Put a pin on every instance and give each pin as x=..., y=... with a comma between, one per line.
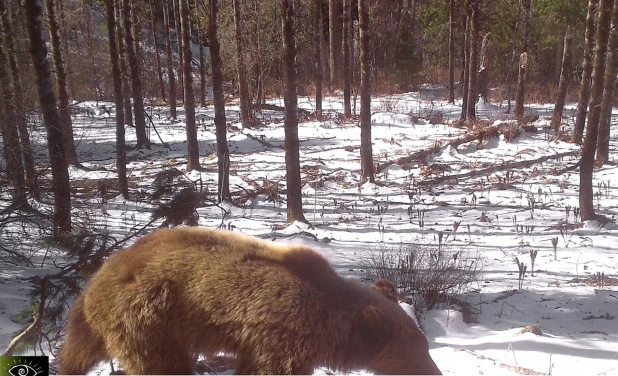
x=177, y=27
x=584, y=89
x=556, y=119
x=223, y=152
x=451, y=52
x=608, y=92
x=136, y=79
x=367, y=168
x=465, y=65
x=47, y=99
x=121, y=156
x=523, y=75
x=61, y=82
x=200, y=38
x=193, y=152
x=319, y=48
x=347, y=71
x=290, y=125
x=474, y=61
x=153, y=20
x=170, y=59
x=20, y=116
x=124, y=70
x=334, y=22
x=243, y=88
x=586, y=196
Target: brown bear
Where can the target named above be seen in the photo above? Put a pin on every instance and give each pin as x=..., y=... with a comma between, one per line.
x=280, y=308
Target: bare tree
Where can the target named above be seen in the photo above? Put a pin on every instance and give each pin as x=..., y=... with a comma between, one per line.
x=47, y=100
x=155, y=41
x=193, y=151
x=290, y=125
x=465, y=62
x=61, y=82
x=243, y=88
x=201, y=37
x=584, y=89
x=223, y=152
x=366, y=150
x=451, y=52
x=170, y=59
x=177, y=26
x=474, y=60
x=563, y=86
x=608, y=92
x=121, y=155
x=347, y=71
x=334, y=22
x=523, y=63
x=586, y=204
x=18, y=99
x=319, y=48
x=136, y=80
x=124, y=66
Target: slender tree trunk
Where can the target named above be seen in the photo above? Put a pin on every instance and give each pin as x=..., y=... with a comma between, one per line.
x=121, y=156
x=334, y=21
x=223, y=152
x=10, y=137
x=61, y=82
x=200, y=38
x=556, y=119
x=586, y=204
x=47, y=99
x=245, y=103
x=465, y=63
x=65, y=46
x=584, y=89
x=193, y=152
x=347, y=71
x=177, y=26
x=451, y=52
x=474, y=61
x=170, y=59
x=20, y=116
x=319, y=46
x=523, y=63
x=292, y=144
x=136, y=80
x=126, y=87
x=367, y=169
x=153, y=20
x=608, y=92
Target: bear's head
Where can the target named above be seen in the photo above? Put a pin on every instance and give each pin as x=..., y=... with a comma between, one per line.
x=392, y=342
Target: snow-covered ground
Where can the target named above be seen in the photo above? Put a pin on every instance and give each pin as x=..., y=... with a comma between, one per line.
x=504, y=214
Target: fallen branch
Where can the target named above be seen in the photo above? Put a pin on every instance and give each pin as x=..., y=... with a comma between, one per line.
x=272, y=107
x=501, y=167
x=36, y=323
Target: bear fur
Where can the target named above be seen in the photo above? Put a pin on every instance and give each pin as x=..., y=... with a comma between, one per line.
x=280, y=308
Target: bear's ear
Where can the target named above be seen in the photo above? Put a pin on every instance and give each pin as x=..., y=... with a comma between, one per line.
x=386, y=288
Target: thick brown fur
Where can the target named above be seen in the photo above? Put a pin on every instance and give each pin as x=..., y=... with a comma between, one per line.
x=280, y=308
x=386, y=288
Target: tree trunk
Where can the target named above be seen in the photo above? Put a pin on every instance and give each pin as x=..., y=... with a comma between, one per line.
x=20, y=116
x=334, y=22
x=121, y=156
x=170, y=59
x=153, y=20
x=193, y=151
x=136, y=80
x=584, y=89
x=177, y=27
x=556, y=119
x=47, y=99
x=10, y=138
x=223, y=152
x=367, y=169
x=65, y=46
x=451, y=52
x=201, y=38
x=474, y=61
x=586, y=204
x=523, y=75
x=124, y=70
x=61, y=82
x=347, y=71
x=465, y=65
x=319, y=48
x=243, y=88
x=290, y=125
x=608, y=92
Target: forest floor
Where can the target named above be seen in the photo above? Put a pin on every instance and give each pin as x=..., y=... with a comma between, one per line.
x=511, y=192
